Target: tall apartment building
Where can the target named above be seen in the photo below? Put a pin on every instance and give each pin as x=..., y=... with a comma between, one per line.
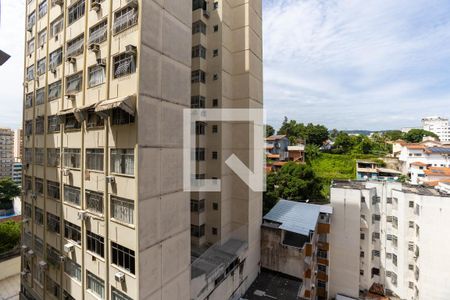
x=439, y=126
x=18, y=145
x=105, y=214
x=226, y=73
x=6, y=152
x=390, y=235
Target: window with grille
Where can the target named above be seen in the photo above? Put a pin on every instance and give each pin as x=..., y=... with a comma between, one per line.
x=95, y=243
x=55, y=59
x=53, y=288
x=31, y=20
x=94, y=201
x=28, y=127
x=122, y=161
x=200, y=128
x=94, y=159
x=71, y=158
x=39, y=186
x=52, y=223
x=199, y=154
x=40, y=125
x=198, y=231
x=53, y=124
x=27, y=210
x=95, y=285
x=43, y=6
x=96, y=75
x=199, y=27
x=117, y=295
x=125, y=18
x=28, y=156
x=56, y=26
x=72, y=194
x=67, y=296
x=30, y=73
x=40, y=96
x=53, y=190
x=197, y=205
x=94, y=120
x=198, y=102
x=41, y=66
x=76, y=11
x=38, y=245
x=124, y=64
x=122, y=210
x=123, y=257
x=53, y=256
x=121, y=117
x=72, y=269
x=197, y=4
x=42, y=38
x=74, y=83
x=54, y=90
x=72, y=232
x=98, y=33
x=38, y=216
x=198, y=76
x=39, y=156
x=53, y=157
x=28, y=185
x=75, y=46
x=29, y=100
x=199, y=51
x=30, y=46
x=71, y=123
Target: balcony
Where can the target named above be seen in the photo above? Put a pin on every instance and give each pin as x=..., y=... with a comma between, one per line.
x=323, y=228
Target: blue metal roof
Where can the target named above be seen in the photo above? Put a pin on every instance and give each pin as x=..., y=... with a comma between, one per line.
x=296, y=217
x=443, y=150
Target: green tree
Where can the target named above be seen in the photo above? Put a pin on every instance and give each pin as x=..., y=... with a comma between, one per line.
x=343, y=143
x=8, y=190
x=417, y=135
x=269, y=130
x=316, y=134
x=9, y=236
x=393, y=135
x=312, y=152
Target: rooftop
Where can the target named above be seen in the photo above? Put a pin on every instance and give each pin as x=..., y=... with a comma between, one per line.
x=272, y=286
x=275, y=137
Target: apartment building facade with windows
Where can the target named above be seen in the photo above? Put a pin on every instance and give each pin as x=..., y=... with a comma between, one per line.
x=6, y=152
x=388, y=234
x=439, y=126
x=104, y=89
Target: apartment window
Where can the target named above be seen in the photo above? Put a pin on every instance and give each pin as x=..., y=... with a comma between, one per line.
x=72, y=269
x=42, y=37
x=198, y=102
x=121, y=117
x=375, y=272
x=389, y=237
x=199, y=51
x=54, y=90
x=71, y=123
x=117, y=295
x=215, y=52
x=38, y=245
x=75, y=46
x=389, y=219
x=53, y=190
x=215, y=155
x=28, y=186
x=375, y=253
x=125, y=18
x=215, y=206
x=197, y=206
x=123, y=257
x=122, y=161
x=94, y=159
x=55, y=59
x=214, y=231
x=56, y=26
x=200, y=154
x=216, y=5
x=216, y=28
x=389, y=255
x=411, y=204
x=200, y=128
x=95, y=285
x=196, y=4
x=411, y=224
x=31, y=20
x=375, y=200
x=53, y=256
x=53, y=157
x=53, y=124
x=198, y=76
x=39, y=156
x=376, y=218
x=29, y=100
x=40, y=96
x=71, y=158
x=40, y=127
x=30, y=73
x=43, y=8
x=41, y=66
x=72, y=232
x=72, y=194
x=95, y=243
x=361, y=272
x=394, y=241
x=27, y=210
x=411, y=267
x=362, y=236
x=94, y=201
x=76, y=11
x=98, y=33
x=53, y=288
x=52, y=223
x=28, y=127
x=375, y=235
x=96, y=75
x=411, y=285
x=322, y=268
x=122, y=210
x=94, y=120
x=30, y=46
x=39, y=186
x=67, y=296
x=38, y=216
x=361, y=254
x=199, y=27
x=124, y=64
x=215, y=102
x=74, y=83
x=198, y=231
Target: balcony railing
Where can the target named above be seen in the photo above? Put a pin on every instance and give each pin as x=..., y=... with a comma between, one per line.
x=126, y=20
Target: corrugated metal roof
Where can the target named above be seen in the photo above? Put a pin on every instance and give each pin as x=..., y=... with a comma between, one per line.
x=296, y=217
x=443, y=150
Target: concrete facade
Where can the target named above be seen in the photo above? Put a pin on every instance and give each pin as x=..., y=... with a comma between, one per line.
x=6, y=152
x=439, y=126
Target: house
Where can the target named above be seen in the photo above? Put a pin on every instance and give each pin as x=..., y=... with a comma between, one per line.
x=369, y=170
x=296, y=153
x=277, y=147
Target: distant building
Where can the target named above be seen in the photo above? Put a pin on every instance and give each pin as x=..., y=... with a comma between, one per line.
x=294, y=241
x=439, y=126
x=296, y=153
x=18, y=144
x=277, y=147
x=369, y=170
x=430, y=153
x=16, y=172
x=390, y=236
x=6, y=152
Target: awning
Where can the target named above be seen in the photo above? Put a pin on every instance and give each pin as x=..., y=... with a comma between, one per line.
x=127, y=104
x=66, y=112
x=80, y=112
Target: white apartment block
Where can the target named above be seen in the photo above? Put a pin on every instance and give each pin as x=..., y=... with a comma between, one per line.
x=6, y=152
x=431, y=154
x=439, y=126
x=389, y=234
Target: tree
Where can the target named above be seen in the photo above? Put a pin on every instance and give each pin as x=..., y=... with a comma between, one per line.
x=312, y=134
x=316, y=134
x=417, y=135
x=8, y=190
x=393, y=135
x=269, y=130
x=312, y=152
x=9, y=236
x=343, y=143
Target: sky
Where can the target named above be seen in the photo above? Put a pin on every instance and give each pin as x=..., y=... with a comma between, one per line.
x=347, y=64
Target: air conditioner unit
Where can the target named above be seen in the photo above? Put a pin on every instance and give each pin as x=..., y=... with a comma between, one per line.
x=71, y=97
x=132, y=3
x=71, y=60
x=101, y=62
x=52, y=68
x=110, y=179
x=43, y=265
x=119, y=276
x=62, y=259
x=30, y=253
x=58, y=2
x=66, y=172
x=94, y=47
x=95, y=5
x=130, y=49
x=24, y=248
x=82, y=215
x=69, y=247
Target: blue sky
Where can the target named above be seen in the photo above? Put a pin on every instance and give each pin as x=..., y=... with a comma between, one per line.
x=348, y=64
